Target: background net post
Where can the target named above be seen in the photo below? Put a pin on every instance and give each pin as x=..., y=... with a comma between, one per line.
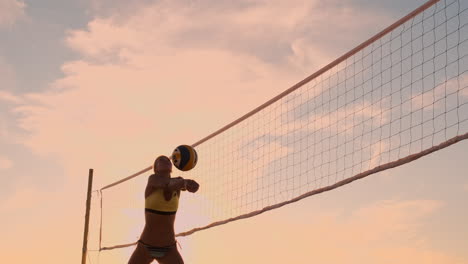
x=88, y=208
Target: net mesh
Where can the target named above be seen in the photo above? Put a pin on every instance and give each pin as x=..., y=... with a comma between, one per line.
x=401, y=97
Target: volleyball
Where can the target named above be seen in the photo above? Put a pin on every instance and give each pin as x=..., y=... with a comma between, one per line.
x=184, y=157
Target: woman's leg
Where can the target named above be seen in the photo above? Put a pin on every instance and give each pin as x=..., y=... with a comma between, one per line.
x=140, y=256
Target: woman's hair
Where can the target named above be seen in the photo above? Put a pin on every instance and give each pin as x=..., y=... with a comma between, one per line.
x=156, y=161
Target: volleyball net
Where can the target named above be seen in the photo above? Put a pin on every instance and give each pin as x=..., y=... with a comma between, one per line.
x=399, y=96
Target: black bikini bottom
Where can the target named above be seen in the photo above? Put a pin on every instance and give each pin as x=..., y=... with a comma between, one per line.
x=158, y=252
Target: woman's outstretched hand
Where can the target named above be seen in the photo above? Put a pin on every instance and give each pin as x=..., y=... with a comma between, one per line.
x=192, y=186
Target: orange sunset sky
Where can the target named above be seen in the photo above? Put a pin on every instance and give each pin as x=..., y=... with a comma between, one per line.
x=111, y=84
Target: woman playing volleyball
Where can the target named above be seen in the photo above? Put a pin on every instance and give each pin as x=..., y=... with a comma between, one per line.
x=157, y=241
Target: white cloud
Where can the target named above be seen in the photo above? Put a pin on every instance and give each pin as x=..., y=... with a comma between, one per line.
x=9, y=97
x=11, y=11
x=5, y=163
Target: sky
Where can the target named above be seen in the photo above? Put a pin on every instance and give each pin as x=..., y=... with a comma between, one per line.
x=110, y=85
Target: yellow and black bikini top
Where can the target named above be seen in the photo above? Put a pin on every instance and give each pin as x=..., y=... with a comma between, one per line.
x=156, y=203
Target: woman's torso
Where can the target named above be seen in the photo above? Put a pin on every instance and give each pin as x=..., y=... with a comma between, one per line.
x=159, y=217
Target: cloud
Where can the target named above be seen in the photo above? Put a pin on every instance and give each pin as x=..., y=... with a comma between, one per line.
x=10, y=98
x=381, y=232
x=437, y=97
x=7, y=75
x=11, y=11
x=22, y=199
x=389, y=231
x=5, y=163
x=270, y=30
x=393, y=216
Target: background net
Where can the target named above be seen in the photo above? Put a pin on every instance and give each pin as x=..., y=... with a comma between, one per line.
x=400, y=97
